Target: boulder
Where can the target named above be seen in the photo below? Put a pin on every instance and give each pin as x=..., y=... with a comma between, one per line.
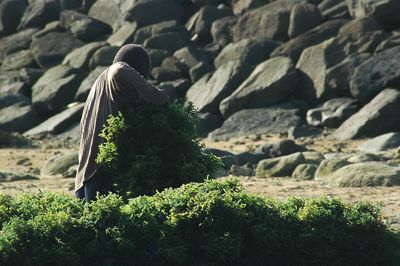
x=87, y=83
x=280, y=166
x=207, y=123
x=167, y=41
x=10, y=99
x=103, y=57
x=241, y=6
x=12, y=140
x=333, y=9
x=191, y=56
x=58, y=123
x=339, y=76
x=18, y=117
x=328, y=166
x=245, y=170
x=18, y=60
x=199, y=71
x=269, y=21
x=51, y=48
x=80, y=57
x=384, y=11
x=39, y=13
x=273, y=120
x=207, y=2
x=295, y=47
x=55, y=89
x=303, y=131
x=181, y=86
x=367, y=174
x=315, y=61
x=271, y=82
x=332, y=113
x=11, y=12
x=200, y=23
x=221, y=30
x=16, y=42
x=381, y=143
x=82, y=26
x=157, y=56
x=375, y=118
x=209, y=91
x=360, y=25
x=303, y=17
x=313, y=157
x=377, y=73
x=249, y=157
x=364, y=157
x=250, y=51
x=144, y=33
x=123, y=35
x=280, y=148
x=59, y=164
x=7, y=176
x=108, y=12
x=147, y=12
x=171, y=69
x=305, y=171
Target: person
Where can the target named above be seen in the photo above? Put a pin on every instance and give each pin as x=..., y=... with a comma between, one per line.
x=126, y=79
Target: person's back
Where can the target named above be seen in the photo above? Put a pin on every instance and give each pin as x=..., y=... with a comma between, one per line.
x=108, y=95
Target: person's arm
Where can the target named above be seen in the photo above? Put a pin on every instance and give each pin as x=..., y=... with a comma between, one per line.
x=127, y=77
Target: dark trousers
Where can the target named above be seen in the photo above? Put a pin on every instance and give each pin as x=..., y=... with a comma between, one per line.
x=99, y=183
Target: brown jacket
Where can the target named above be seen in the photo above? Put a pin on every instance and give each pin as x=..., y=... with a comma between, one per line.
x=107, y=95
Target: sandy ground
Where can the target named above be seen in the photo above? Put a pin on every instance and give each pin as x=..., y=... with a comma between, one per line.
x=33, y=159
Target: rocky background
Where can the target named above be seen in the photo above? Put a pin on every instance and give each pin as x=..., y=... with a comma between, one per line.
x=303, y=69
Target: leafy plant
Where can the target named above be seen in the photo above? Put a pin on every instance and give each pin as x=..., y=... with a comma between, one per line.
x=150, y=148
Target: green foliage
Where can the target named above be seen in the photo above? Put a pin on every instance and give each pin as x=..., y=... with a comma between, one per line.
x=210, y=223
x=151, y=148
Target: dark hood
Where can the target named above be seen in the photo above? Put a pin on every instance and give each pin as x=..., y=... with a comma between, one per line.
x=135, y=56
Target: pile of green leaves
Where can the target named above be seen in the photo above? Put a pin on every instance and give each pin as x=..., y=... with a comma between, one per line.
x=210, y=223
x=150, y=148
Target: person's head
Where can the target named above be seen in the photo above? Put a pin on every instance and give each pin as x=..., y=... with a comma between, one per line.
x=136, y=57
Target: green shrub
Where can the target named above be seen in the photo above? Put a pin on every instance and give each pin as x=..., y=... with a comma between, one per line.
x=210, y=223
x=151, y=148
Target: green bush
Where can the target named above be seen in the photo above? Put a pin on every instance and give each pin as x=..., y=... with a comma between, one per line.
x=210, y=223
x=150, y=148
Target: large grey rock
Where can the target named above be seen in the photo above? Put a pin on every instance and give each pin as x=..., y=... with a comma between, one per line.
x=303, y=17
x=338, y=77
x=55, y=89
x=257, y=121
x=271, y=82
x=144, y=33
x=221, y=30
x=7, y=176
x=209, y=91
x=39, y=13
x=332, y=9
x=328, y=166
x=381, y=143
x=80, y=57
x=360, y=25
x=12, y=140
x=295, y=47
x=103, y=57
x=332, y=113
x=200, y=70
x=171, y=69
x=10, y=99
x=207, y=2
x=87, y=83
x=123, y=35
x=280, y=148
x=108, y=12
x=241, y=6
x=147, y=12
x=59, y=164
x=200, y=23
x=192, y=56
x=16, y=42
x=12, y=83
x=305, y=171
x=379, y=72
x=390, y=42
x=269, y=21
x=82, y=26
x=167, y=41
x=375, y=118
x=384, y=11
x=207, y=123
x=18, y=117
x=280, y=166
x=316, y=60
x=11, y=12
x=51, y=48
x=18, y=60
x=367, y=174
x=56, y=124
x=250, y=51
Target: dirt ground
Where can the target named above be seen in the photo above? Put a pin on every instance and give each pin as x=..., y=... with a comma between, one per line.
x=33, y=159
